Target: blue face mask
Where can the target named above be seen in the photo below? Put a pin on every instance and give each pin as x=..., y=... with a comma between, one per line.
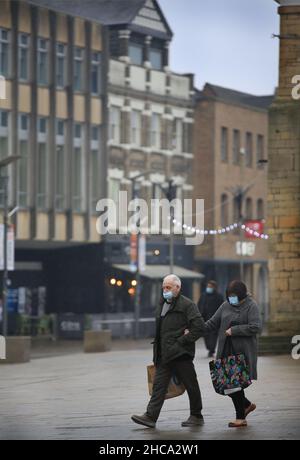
x=233, y=300
x=209, y=290
x=168, y=295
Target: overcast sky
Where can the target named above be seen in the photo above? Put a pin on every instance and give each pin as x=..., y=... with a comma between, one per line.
x=225, y=42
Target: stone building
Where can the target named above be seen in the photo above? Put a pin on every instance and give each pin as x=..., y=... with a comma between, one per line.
x=284, y=179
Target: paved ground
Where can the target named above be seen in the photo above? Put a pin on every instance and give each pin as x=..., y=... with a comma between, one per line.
x=91, y=396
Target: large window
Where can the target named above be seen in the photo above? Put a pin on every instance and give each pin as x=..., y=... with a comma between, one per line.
x=94, y=166
x=236, y=146
x=114, y=124
x=60, y=169
x=177, y=135
x=136, y=127
x=23, y=57
x=224, y=210
x=249, y=209
x=155, y=130
x=3, y=134
x=260, y=212
x=224, y=144
x=4, y=52
x=156, y=59
x=96, y=73
x=42, y=61
x=136, y=53
x=42, y=166
x=23, y=162
x=78, y=169
x=60, y=65
x=249, y=149
x=260, y=150
x=78, y=69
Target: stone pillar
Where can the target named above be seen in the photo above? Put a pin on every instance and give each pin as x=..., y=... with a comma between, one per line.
x=146, y=51
x=124, y=36
x=284, y=181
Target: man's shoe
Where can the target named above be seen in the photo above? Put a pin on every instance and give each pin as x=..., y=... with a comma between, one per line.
x=143, y=420
x=193, y=421
x=249, y=409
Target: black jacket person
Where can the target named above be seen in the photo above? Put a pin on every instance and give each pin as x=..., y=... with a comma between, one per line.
x=209, y=303
x=179, y=324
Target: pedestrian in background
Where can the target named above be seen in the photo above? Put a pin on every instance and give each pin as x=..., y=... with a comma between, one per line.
x=238, y=318
x=208, y=304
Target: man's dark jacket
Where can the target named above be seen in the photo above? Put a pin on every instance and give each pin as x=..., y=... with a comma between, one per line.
x=170, y=342
x=209, y=304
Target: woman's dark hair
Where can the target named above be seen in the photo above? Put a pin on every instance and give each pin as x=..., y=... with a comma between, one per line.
x=213, y=283
x=238, y=288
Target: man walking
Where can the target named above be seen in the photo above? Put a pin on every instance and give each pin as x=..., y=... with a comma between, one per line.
x=208, y=304
x=179, y=325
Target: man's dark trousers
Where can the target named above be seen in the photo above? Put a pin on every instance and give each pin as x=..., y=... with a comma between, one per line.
x=184, y=370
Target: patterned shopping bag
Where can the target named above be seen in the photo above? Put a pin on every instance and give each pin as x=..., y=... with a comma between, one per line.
x=230, y=374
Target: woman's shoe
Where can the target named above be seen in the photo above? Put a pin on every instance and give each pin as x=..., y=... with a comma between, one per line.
x=249, y=409
x=238, y=424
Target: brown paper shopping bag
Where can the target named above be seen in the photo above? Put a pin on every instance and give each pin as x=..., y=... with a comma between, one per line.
x=175, y=388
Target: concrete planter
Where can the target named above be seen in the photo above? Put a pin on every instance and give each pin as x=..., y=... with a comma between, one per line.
x=17, y=350
x=97, y=341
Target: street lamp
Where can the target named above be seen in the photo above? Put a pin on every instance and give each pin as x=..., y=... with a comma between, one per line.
x=137, y=274
x=4, y=179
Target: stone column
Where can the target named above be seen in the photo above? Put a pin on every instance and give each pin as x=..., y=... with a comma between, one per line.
x=124, y=36
x=284, y=181
x=146, y=51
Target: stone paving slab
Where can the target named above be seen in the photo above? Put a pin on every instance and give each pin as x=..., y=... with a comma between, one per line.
x=92, y=396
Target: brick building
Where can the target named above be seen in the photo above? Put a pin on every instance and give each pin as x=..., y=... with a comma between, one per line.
x=231, y=138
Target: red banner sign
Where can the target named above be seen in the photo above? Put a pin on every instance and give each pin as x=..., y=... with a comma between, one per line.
x=256, y=226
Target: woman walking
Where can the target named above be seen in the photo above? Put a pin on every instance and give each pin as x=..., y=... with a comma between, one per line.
x=238, y=318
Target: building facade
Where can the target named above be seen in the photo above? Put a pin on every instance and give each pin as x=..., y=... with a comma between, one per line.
x=231, y=139
x=53, y=61
x=284, y=179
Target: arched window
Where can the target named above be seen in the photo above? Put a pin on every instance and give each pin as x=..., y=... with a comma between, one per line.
x=224, y=210
x=249, y=210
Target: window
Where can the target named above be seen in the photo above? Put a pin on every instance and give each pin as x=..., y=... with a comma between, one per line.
x=156, y=59
x=224, y=144
x=60, y=65
x=42, y=61
x=94, y=178
x=249, y=150
x=23, y=57
x=96, y=73
x=4, y=147
x=155, y=130
x=249, y=211
x=177, y=135
x=136, y=127
x=23, y=162
x=42, y=163
x=94, y=166
x=114, y=126
x=78, y=169
x=260, y=150
x=78, y=69
x=60, y=168
x=236, y=146
x=4, y=52
x=136, y=54
x=224, y=210
x=260, y=209
x=236, y=209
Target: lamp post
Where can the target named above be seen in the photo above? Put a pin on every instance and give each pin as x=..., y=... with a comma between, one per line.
x=137, y=274
x=4, y=179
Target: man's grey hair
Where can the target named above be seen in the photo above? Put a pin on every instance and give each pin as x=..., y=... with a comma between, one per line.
x=174, y=278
